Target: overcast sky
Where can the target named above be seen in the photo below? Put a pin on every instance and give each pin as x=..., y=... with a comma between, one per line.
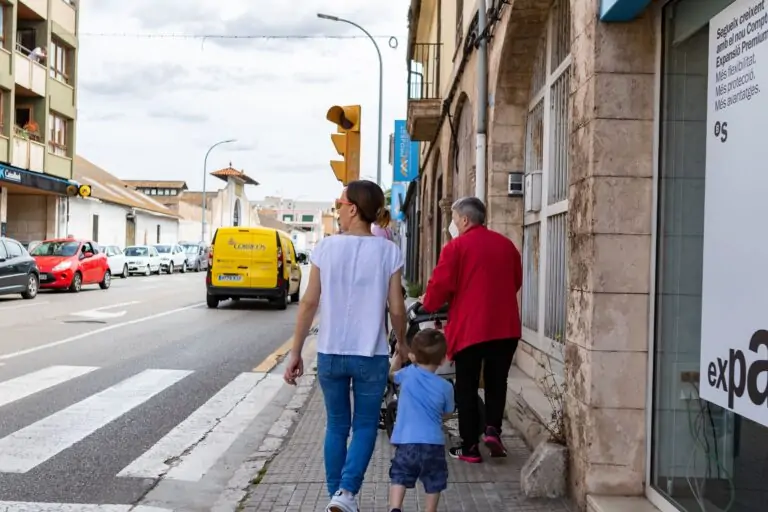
x=151, y=108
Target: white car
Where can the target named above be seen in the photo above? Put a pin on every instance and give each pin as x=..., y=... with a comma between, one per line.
x=172, y=257
x=116, y=258
x=142, y=259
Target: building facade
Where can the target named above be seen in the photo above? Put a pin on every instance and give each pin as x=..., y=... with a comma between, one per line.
x=600, y=107
x=306, y=218
x=38, y=111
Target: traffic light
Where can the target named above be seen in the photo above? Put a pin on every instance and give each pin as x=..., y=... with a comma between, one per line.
x=346, y=141
x=79, y=190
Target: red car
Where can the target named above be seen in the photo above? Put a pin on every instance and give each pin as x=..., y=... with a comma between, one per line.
x=69, y=264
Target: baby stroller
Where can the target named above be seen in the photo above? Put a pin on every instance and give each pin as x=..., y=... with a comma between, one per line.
x=418, y=319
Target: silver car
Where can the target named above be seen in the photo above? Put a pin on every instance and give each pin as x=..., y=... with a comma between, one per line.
x=197, y=255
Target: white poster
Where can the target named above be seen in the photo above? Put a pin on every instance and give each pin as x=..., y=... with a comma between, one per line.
x=734, y=339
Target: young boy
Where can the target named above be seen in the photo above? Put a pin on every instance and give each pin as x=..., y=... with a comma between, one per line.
x=418, y=435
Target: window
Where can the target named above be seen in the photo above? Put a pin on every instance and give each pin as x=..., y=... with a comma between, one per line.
x=14, y=249
x=459, y=24
x=307, y=218
x=95, y=228
x=3, y=252
x=58, y=136
x=3, y=28
x=287, y=218
x=161, y=192
x=174, y=192
x=146, y=191
x=153, y=192
x=545, y=263
x=58, y=60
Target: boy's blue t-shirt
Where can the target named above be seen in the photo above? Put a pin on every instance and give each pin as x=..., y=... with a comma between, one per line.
x=424, y=399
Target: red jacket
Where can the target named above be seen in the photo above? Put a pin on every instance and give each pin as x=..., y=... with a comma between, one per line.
x=479, y=274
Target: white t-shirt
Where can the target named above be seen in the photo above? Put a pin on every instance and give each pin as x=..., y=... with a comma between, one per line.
x=354, y=284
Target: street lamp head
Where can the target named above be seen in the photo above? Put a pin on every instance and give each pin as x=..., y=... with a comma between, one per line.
x=327, y=17
x=228, y=141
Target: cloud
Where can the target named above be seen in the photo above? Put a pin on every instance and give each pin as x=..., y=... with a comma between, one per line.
x=179, y=115
x=138, y=79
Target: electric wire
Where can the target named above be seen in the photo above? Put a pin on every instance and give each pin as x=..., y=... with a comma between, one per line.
x=148, y=35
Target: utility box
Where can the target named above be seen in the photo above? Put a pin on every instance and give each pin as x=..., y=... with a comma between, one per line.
x=533, y=192
x=515, y=184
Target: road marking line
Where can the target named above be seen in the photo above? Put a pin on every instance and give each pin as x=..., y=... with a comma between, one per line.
x=22, y=306
x=31, y=383
x=22, y=506
x=201, y=459
x=100, y=330
x=274, y=358
x=159, y=459
x=29, y=447
x=119, y=305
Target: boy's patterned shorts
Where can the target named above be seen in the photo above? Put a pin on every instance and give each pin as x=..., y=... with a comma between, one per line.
x=425, y=462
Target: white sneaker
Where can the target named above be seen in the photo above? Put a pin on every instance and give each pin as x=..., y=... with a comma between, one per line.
x=342, y=502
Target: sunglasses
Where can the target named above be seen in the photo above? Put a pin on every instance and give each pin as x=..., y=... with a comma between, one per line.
x=341, y=202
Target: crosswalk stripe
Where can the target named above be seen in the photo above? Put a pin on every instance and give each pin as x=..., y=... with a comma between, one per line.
x=204, y=455
x=31, y=383
x=154, y=462
x=21, y=506
x=29, y=447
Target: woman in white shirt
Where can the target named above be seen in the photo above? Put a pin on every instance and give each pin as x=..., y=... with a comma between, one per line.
x=354, y=277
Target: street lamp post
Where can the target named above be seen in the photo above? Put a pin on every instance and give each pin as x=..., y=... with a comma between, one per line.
x=205, y=175
x=381, y=84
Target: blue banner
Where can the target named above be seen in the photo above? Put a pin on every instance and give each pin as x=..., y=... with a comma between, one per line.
x=397, y=192
x=405, y=160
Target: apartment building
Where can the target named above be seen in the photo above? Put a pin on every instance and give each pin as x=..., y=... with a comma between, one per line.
x=303, y=216
x=606, y=142
x=38, y=111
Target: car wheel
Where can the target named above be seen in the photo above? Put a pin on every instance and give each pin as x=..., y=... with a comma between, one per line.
x=32, y=287
x=125, y=272
x=107, y=281
x=212, y=301
x=295, y=296
x=282, y=301
x=184, y=267
x=170, y=268
x=77, y=283
x=148, y=272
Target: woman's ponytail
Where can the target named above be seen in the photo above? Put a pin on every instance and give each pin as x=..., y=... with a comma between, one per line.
x=383, y=217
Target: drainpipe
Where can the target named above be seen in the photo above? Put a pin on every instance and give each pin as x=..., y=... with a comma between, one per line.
x=482, y=103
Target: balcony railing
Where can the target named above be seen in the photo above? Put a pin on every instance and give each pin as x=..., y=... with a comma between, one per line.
x=424, y=72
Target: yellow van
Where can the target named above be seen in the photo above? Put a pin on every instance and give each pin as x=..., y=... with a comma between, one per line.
x=253, y=263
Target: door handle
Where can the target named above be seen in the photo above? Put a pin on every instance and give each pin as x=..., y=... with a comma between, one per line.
x=242, y=268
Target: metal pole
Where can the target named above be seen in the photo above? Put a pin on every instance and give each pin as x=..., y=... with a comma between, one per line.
x=381, y=86
x=205, y=175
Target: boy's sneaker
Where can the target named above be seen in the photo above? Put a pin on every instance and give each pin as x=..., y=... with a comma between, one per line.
x=492, y=440
x=342, y=502
x=471, y=455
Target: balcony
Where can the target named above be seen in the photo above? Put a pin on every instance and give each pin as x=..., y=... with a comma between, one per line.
x=33, y=9
x=63, y=13
x=31, y=76
x=424, y=102
x=28, y=151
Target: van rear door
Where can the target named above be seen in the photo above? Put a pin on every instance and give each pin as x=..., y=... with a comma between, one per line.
x=232, y=259
x=263, y=270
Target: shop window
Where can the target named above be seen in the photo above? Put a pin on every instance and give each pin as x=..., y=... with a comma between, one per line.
x=703, y=456
x=307, y=218
x=59, y=136
x=544, y=294
x=287, y=218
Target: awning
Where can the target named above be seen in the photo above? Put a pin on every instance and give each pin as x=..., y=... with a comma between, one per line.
x=31, y=179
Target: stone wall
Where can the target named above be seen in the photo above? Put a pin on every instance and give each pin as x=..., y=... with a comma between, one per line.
x=610, y=194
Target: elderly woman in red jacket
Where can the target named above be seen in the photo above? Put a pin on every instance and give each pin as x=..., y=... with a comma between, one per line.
x=479, y=275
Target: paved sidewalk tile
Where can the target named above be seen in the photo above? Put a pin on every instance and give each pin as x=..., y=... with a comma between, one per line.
x=295, y=480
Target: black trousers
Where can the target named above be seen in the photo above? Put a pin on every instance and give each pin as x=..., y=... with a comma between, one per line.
x=495, y=359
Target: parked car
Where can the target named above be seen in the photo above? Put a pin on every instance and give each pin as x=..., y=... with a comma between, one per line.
x=142, y=259
x=172, y=257
x=18, y=270
x=116, y=258
x=197, y=255
x=70, y=264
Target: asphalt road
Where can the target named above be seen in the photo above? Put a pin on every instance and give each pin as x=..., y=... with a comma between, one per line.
x=113, y=396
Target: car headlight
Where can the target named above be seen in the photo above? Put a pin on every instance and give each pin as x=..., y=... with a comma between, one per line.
x=64, y=265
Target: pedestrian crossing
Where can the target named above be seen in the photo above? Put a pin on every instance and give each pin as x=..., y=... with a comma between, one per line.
x=185, y=454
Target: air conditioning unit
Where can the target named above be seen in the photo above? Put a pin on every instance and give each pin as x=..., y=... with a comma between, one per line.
x=515, y=184
x=533, y=192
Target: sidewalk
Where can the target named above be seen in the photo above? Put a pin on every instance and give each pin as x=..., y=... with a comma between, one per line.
x=294, y=481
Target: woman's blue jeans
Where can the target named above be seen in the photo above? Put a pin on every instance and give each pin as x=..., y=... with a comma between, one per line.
x=345, y=467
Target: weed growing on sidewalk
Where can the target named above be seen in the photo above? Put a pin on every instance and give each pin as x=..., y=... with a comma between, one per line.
x=554, y=388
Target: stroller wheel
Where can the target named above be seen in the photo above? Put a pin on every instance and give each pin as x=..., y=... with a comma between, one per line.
x=389, y=418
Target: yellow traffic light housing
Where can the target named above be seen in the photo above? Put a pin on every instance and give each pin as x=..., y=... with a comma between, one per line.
x=84, y=191
x=346, y=141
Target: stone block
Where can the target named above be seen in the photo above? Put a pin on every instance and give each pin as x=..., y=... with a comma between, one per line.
x=610, y=263
x=583, y=14
x=543, y=475
x=611, y=205
x=608, y=321
x=625, y=96
x=606, y=379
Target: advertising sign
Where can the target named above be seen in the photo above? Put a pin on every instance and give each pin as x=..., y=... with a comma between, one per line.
x=405, y=162
x=734, y=326
x=396, y=201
